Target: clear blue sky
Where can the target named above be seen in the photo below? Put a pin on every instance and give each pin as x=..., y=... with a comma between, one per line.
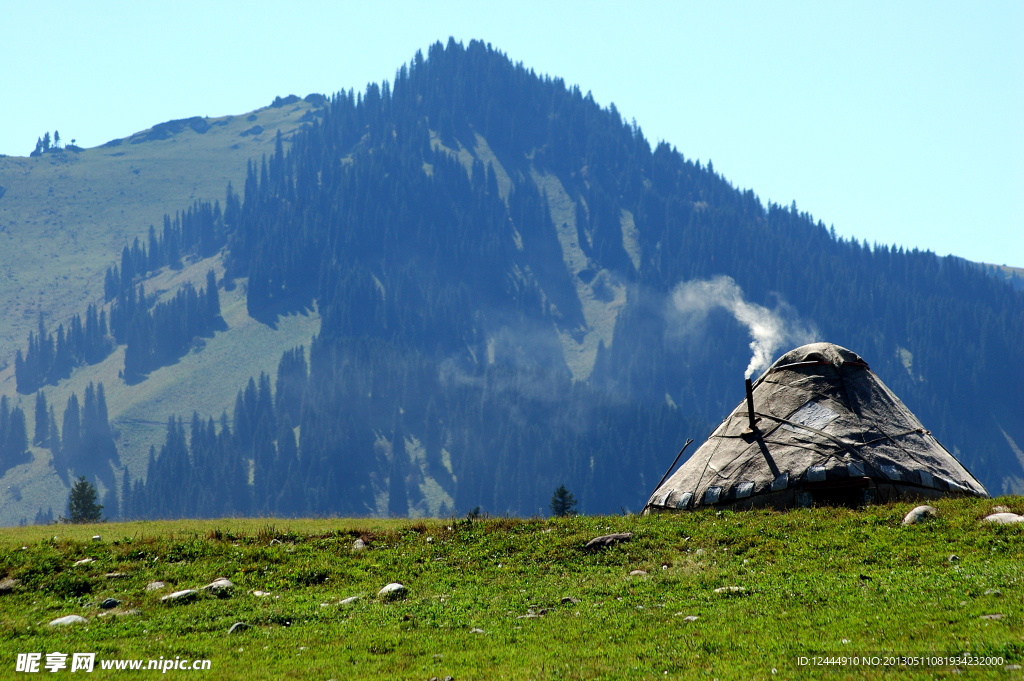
x=895, y=122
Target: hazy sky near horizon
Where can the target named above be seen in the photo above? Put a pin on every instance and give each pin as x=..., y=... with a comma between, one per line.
x=898, y=123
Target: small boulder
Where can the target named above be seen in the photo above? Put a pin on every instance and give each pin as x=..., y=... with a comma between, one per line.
x=995, y=616
x=1004, y=518
x=392, y=591
x=260, y=594
x=183, y=596
x=993, y=592
x=109, y=603
x=8, y=585
x=637, y=573
x=569, y=600
x=1001, y=509
x=67, y=620
x=476, y=630
x=220, y=587
x=607, y=540
x=920, y=514
x=358, y=545
x=731, y=590
x=155, y=586
x=349, y=600
x=97, y=537
x=84, y=561
x=690, y=618
x=953, y=558
x=238, y=627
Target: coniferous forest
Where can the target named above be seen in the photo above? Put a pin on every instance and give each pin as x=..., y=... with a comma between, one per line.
x=457, y=228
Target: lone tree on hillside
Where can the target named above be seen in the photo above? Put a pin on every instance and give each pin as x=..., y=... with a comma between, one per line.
x=82, y=506
x=562, y=502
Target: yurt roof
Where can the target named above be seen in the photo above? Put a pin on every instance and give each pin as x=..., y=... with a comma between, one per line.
x=825, y=421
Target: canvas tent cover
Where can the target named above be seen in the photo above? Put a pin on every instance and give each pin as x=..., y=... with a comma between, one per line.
x=826, y=425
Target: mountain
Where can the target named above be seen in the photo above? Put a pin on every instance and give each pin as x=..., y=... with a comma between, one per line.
x=515, y=291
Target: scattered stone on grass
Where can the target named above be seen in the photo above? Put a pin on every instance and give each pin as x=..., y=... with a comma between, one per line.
x=1001, y=509
x=1012, y=667
x=920, y=514
x=275, y=541
x=155, y=586
x=349, y=600
x=392, y=591
x=97, y=537
x=690, y=618
x=638, y=573
x=68, y=619
x=993, y=592
x=237, y=627
x=953, y=558
x=8, y=585
x=1004, y=518
x=994, y=616
x=731, y=590
x=260, y=594
x=115, y=575
x=569, y=600
x=84, y=561
x=476, y=630
x=109, y=603
x=183, y=596
x=220, y=587
x=607, y=540
x=358, y=545
x=120, y=613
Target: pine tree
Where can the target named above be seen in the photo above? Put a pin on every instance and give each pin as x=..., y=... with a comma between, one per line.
x=562, y=502
x=42, y=424
x=82, y=506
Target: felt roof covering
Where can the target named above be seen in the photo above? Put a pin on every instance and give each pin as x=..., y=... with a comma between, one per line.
x=828, y=431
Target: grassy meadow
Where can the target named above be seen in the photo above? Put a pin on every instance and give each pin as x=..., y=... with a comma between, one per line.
x=494, y=598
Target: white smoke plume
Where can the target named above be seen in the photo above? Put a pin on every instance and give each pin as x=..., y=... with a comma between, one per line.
x=769, y=329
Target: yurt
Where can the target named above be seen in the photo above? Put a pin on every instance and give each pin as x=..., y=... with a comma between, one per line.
x=817, y=428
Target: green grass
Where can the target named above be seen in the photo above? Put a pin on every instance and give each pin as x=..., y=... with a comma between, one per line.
x=822, y=581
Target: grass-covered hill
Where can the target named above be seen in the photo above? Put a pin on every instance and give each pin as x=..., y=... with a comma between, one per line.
x=65, y=215
x=64, y=218
x=719, y=595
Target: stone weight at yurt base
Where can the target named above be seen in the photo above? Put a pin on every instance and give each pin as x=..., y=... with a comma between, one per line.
x=817, y=428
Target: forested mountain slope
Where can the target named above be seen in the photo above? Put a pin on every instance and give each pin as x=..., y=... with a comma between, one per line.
x=497, y=262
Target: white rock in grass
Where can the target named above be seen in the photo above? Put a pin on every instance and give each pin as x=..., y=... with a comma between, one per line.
x=155, y=586
x=392, y=590
x=84, y=561
x=637, y=573
x=690, y=618
x=920, y=514
x=349, y=600
x=730, y=590
x=97, y=537
x=182, y=596
x=238, y=627
x=220, y=587
x=1004, y=518
x=68, y=619
x=260, y=594
x=476, y=630
x=358, y=545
